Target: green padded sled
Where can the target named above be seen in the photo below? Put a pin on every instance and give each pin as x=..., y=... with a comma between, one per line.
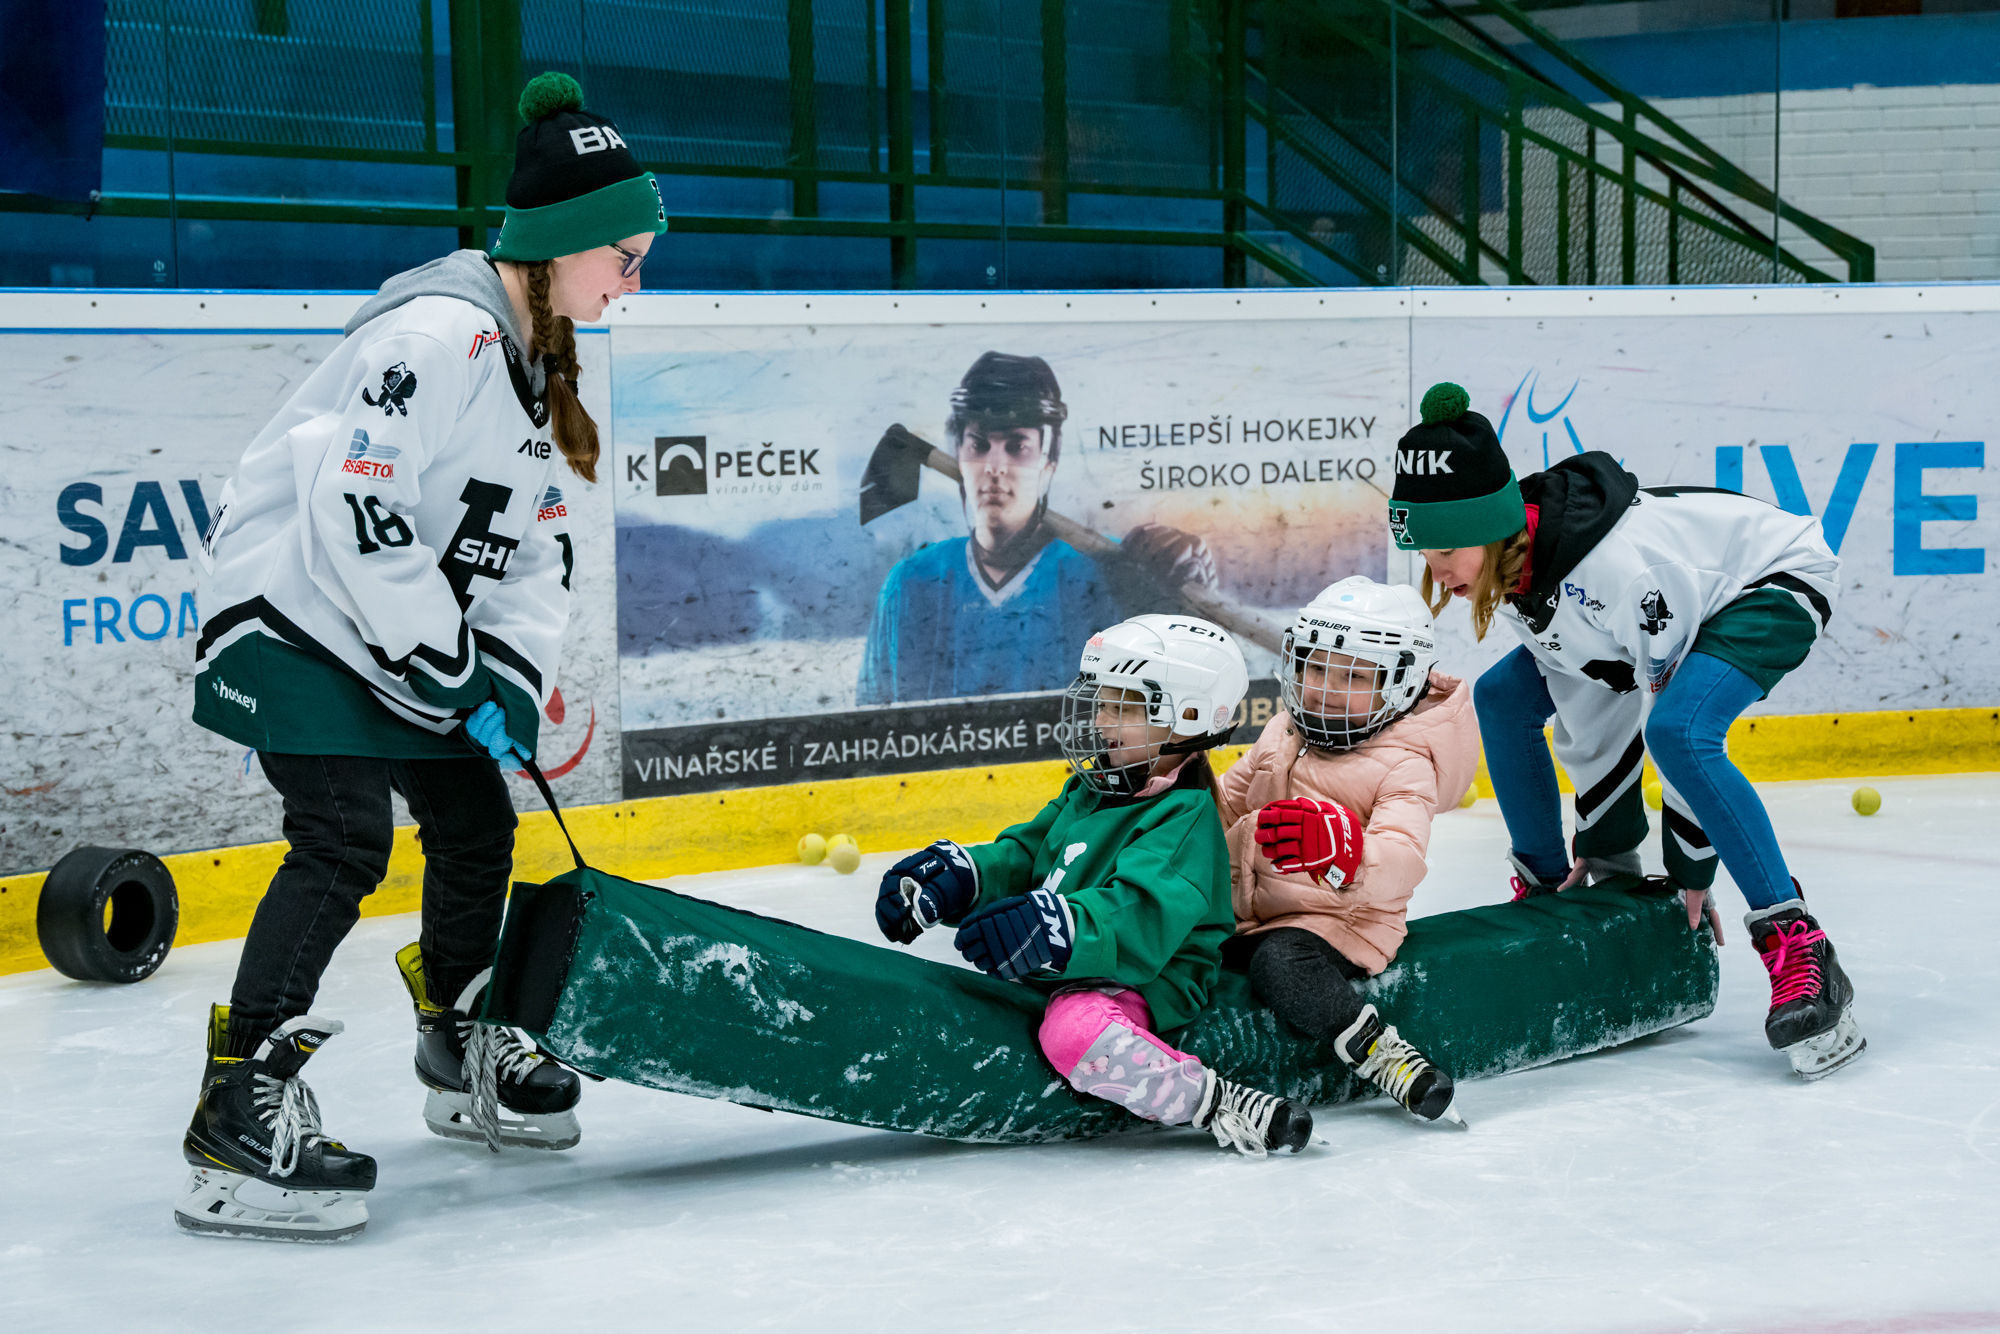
x=641, y=984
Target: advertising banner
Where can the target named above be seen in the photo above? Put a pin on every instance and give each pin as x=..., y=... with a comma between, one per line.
x=801, y=594
x=117, y=434
x=840, y=535
x=1862, y=407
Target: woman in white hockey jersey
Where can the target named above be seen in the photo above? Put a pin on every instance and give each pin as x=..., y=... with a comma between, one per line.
x=393, y=596
x=1649, y=618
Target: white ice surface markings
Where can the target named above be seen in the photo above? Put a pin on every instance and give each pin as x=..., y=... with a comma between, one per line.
x=1685, y=1182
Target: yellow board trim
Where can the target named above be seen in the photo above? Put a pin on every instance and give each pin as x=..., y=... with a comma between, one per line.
x=669, y=836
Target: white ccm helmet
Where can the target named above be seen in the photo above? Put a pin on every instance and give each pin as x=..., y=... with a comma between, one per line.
x=1386, y=630
x=1179, y=673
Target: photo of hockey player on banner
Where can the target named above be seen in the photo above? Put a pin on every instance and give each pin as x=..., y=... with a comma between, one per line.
x=850, y=526
x=997, y=612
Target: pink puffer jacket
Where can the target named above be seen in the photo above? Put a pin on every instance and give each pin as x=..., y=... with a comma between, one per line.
x=1396, y=780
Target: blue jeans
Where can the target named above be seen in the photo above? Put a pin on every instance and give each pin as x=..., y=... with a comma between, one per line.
x=1685, y=735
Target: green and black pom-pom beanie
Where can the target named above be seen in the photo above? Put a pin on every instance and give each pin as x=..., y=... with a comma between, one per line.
x=1454, y=487
x=576, y=186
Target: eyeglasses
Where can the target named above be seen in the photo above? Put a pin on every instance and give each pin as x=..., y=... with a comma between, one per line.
x=632, y=261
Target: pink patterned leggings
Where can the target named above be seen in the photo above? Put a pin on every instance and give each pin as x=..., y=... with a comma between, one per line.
x=1101, y=1040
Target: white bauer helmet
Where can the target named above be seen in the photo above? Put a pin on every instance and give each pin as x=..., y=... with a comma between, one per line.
x=1180, y=673
x=1375, y=648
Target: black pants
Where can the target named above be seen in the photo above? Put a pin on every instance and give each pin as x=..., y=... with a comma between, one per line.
x=339, y=823
x=1306, y=981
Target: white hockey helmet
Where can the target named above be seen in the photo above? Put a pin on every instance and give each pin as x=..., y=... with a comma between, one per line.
x=1151, y=686
x=1356, y=658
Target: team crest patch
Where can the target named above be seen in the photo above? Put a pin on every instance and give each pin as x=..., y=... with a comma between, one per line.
x=1399, y=524
x=399, y=382
x=1653, y=607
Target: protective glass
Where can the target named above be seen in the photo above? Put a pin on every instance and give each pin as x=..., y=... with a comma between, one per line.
x=1336, y=700
x=1112, y=734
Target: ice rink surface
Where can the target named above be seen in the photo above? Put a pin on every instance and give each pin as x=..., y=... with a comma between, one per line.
x=1685, y=1182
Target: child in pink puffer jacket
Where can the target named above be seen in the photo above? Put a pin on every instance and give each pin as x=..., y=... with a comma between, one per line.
x=1329, y=817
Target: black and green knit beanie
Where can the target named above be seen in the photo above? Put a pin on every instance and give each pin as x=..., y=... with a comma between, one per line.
x=1454, y=487
x=576, y=186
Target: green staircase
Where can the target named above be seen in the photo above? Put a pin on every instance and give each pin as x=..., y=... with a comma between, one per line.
x=1373, y=113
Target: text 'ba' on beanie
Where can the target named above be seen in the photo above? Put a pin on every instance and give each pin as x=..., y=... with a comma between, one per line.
x=1454, y=487
x=576, y=186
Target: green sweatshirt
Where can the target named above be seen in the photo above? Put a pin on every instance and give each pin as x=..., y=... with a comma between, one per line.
x=1148, y=882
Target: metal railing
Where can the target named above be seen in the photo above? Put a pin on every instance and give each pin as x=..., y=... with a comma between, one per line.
x=1399, y=142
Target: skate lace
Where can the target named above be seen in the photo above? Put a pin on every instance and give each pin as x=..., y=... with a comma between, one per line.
x=512, y=1061
x=1520, y=888
x=1793, y=966
x=288, y=1107
x=1393, y=1065
x=1242, y=1116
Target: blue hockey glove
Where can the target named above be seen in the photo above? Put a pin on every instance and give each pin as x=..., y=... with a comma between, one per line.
x=488, y=727
x=923, y=889
x=1030, y=933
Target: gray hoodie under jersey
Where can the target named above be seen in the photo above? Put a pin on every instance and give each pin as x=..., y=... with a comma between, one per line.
x=393, y=549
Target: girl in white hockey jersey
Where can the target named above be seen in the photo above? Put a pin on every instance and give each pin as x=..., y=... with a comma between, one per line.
x=1649, y=619
x=393, y=576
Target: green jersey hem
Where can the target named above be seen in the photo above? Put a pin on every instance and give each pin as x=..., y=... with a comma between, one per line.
x=1764, y=634
x=269, y=695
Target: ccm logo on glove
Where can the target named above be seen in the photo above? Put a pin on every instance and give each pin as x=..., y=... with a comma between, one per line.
x=1318, y=837
x=1021, y=936
x=923, y=889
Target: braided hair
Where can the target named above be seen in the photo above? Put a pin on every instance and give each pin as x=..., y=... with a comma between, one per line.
x=554, y=344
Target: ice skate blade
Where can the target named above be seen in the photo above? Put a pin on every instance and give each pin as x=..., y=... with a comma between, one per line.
x=1817, y=1057
x=1451, y=1114
x=450, y=1115
x=209, y=1207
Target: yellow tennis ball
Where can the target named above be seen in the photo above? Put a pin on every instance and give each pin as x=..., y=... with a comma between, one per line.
x=812, y=849
x=1466, y=800
x=844, y=857
x=1867, y=800
x=840, y=840
x=1655, y=794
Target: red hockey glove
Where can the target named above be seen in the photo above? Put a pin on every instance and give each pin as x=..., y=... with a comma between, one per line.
x=1317, y=837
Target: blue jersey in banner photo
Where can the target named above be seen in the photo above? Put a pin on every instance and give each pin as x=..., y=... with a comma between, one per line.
x=941, y=633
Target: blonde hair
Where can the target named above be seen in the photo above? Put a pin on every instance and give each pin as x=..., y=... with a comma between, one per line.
x=554, y=339
x=1499, y=575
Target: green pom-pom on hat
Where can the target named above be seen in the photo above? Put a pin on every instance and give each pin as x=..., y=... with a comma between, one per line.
x=1442, y=402
x=546, y=94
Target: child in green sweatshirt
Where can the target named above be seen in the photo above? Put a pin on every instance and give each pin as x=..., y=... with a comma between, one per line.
x=1115, y=899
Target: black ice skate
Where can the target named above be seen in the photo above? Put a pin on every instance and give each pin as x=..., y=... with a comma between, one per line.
x=1250, y=1122
x=256, y=1130
x=533, y=1098
x=1812, y=1002
x=1377, y=1052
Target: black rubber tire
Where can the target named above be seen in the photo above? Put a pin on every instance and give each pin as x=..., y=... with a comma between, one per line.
x=70, y=918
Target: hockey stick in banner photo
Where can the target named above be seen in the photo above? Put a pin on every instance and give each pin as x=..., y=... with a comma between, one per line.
x=896, y=468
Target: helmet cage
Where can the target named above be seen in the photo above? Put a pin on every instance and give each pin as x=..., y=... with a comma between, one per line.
x=1091, y=754
x=1341, y=718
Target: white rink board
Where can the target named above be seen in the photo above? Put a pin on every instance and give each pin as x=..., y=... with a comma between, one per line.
x=120, y=390
x=1783, y=406
x=134, y=424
